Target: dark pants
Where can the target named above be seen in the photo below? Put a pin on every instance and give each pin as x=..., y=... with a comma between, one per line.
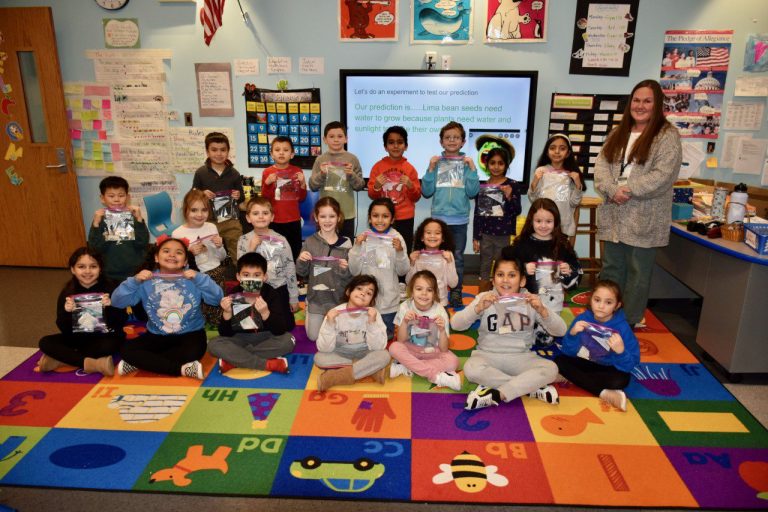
x=459, y=233
x=292, y=232
x=165, y=354
x=73, y=348
x=405, y=228
x=591, y=376
x=348, y=229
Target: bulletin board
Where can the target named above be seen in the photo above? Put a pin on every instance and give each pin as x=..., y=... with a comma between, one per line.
x=586, y=119
x=291, y=113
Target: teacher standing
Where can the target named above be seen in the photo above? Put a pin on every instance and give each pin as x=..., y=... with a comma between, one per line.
x=634, y=174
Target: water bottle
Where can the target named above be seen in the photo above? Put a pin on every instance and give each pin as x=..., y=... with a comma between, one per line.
x=737, y=207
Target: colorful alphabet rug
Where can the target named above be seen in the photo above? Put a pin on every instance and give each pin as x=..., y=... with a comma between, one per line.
x=683, y=442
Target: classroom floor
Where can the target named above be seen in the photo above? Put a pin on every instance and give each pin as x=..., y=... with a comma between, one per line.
x=27, y=312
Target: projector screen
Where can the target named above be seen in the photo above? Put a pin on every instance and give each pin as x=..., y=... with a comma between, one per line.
x=492, y=103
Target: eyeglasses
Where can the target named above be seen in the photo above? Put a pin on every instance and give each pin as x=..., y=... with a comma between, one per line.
x=453, y=137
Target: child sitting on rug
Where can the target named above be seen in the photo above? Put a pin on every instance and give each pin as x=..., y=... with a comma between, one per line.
x=422, y=331
x=503, y=364
x=600, y=350
x=256, y=324
x=353, y=339
x=172, y=297
x=91, y=330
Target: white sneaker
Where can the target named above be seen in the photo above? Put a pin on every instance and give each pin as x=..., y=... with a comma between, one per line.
x=482, y=397
x=547, y=394
x=123, y=368
x=615, y=397
x=193, y=369
x=448, y=380
x=396, y=369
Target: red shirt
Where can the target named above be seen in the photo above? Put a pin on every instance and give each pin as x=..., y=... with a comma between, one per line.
x=286, y=210
x=404, y=207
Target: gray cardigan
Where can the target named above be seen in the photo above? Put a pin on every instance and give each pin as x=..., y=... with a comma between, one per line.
x=644, y=220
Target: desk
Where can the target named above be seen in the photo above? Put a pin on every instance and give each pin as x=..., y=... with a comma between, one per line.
x=732, y=280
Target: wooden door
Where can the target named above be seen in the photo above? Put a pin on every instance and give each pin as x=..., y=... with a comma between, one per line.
x=41, y=221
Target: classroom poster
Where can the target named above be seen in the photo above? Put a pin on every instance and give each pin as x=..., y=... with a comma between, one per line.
x=694, y=65
x=214, y=89
x=441, y=21
x=756, y=53
x=368, y=20
x=291, y=113
x=523, y=21
x=603, y=37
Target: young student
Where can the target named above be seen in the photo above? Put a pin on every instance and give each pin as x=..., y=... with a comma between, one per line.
x=171, y=296
x=433, y=251
x=337, y=174
x=452, y=185
x=218, y=176
x=603, y=371
x=353, y=341
x=122, y=257
x=496, y=209
x=324, y=261
x=503, y=364
x=257, y=336
x=285, y=187
x=394, y=177
x=422, y=333
x=380, y=252
x=87, y=341
x=557, y=177
x=273, y=246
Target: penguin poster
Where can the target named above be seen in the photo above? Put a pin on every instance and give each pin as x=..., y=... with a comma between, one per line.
x=441, y=21
x=516, y=21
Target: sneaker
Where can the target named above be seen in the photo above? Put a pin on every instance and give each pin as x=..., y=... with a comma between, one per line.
x=193, y=370
x=123, y=368
x=225, y=366
x=482, y=397
x=277, y=364
x=380, y=376
x=640, y=325
x=397, y=369
x=448, y=380
x=455, y=299
x=615, y=397
x=546, y=394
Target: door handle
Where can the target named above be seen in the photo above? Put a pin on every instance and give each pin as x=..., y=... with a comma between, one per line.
x=61, y=156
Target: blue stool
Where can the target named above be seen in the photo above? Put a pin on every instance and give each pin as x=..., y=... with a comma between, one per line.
x=159, y=211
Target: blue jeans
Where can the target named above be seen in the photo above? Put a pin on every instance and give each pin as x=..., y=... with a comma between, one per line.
x=459, y=232
x=389, y=322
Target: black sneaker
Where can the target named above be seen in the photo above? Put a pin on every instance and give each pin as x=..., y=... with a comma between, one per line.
x=482, y=397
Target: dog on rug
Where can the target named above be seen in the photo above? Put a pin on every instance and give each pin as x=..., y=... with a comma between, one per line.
x=194, y=461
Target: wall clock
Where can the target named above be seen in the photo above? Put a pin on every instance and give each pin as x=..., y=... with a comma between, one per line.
x=111, y=5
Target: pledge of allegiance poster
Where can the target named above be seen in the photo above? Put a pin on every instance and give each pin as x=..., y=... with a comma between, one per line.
x=694, y=66
x=368, y=21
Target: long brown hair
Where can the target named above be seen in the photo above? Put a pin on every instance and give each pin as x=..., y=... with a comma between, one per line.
x=558, y=238
x=618, y=138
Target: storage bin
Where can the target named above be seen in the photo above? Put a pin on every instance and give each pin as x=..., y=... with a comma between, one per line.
x=682, y=211
x=756, y=236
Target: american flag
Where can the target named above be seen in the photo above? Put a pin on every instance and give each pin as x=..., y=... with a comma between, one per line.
x=711, y=57
x=210, y=17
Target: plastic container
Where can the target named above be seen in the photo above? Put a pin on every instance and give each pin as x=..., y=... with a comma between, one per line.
x=756, y=236
x=737, y=207
x=682, y=211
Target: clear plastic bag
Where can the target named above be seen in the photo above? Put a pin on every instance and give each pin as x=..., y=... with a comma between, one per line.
x=450, y=172
x=424, y=333
x=432, y=260
x=379, y=251
x=336, y=177
x=207, y=241
x=547, y=273
x=224, y=206
x=270, y=247
x=392, y=188
x=351, y=326
x=552, y=297
x=490, y=201
x=594, y=342
x=512, y=313
x=119, y=225
x=286, y=186
x=243, y=313
x=320, y=266
x=556, y=185
x=88, y=315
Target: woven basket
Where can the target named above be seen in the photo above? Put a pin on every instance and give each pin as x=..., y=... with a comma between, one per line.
x=733, y=232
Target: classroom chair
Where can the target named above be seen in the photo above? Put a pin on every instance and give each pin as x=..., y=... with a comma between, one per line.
x=159, y=211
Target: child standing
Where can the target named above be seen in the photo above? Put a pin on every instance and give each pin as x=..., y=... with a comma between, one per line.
x=496, y=210
x=175, y=340
x=452, y=179
x=255, y=336
x=285, y=187
x=273, y=246
x=324, y=261
x=422, y=333
x=380, y=252
x=503, y=363
x=337, y=174
x=84, y=345
x=122, y=255
x=394, y=177
x=603, y=368
x=353, y=340
x=433, y=251
x=219, y=178
x=557, y=177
